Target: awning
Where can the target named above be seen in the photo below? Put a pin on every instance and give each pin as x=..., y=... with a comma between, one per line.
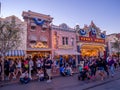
x=32, y=37
x=66, y=52
x=43, y=39
x=33, y=24
x=15, y=53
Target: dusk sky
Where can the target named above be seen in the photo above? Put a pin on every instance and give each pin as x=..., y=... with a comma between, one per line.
x=104, y=13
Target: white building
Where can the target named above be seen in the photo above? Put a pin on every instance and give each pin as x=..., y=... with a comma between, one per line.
x=111, y=39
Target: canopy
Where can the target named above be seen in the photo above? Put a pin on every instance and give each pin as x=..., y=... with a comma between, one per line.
x=66, y=52
x=15, y=53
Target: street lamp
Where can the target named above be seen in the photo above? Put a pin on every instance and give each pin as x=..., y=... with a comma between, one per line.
x=118, y=41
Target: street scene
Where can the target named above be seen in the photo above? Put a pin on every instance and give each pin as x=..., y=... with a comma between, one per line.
x=59, y=45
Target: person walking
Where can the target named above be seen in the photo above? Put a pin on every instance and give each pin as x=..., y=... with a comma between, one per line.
x=111, y=66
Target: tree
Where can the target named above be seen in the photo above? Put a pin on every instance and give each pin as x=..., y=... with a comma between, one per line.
x=10, y=33
x=116, y=45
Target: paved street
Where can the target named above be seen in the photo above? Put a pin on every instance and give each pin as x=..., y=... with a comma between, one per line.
x=68, y=83
x=113, y=85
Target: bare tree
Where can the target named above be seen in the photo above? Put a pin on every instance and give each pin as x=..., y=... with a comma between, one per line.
x=9, y=38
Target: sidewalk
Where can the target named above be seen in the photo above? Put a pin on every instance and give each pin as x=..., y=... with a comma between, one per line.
x=10, y=82
x=34, y=78
x=86, y=86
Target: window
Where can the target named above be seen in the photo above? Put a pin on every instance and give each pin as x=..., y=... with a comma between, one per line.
x=33, y=28
x=43, y=29
x=72, y=41
x=32, y=41
x=65, y=40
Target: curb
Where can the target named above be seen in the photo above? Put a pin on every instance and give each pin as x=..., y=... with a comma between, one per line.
x=92, y=85
x=2, y=84
x=101, y=83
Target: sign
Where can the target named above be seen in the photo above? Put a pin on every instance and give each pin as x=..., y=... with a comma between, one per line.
x=39, y=45
x=91, y=39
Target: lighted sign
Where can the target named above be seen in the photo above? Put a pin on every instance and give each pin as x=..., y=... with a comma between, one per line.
x=90, y=39
x=39, y=45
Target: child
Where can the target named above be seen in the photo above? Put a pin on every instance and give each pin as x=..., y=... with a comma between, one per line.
x=69, y=71
x=80, y=71
x=41, y=75
x=24, y=79
x=62, y=70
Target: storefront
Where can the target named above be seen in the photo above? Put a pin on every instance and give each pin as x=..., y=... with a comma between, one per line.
x=38, y=34
x=39, y=52
x=91, y=41
x=64, y=42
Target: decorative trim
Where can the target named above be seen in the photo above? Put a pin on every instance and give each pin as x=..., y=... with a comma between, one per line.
x=93, y=30
x=102, y=35
x=38, y=22
x=82, y=32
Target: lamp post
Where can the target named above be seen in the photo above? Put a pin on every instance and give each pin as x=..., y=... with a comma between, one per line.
x=118, y=40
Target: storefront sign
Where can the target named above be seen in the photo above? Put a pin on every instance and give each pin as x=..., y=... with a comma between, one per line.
x=39, y=45
x=90, y=39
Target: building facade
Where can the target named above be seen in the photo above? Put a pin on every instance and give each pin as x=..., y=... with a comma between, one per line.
x=38, y=33
x=63, y=41
x=90, y=40
x=45, y=39
x=110, y=41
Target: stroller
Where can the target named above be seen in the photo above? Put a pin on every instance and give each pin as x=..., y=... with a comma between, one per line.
x=84, y=74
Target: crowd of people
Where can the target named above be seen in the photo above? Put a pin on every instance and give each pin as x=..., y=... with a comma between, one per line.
x=93, y=66
x=89, y=68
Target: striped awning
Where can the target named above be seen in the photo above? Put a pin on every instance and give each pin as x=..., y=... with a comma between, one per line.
x=15, y=53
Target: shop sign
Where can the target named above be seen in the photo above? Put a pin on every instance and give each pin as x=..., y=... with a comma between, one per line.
x=39, y=45
x=90, y=39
